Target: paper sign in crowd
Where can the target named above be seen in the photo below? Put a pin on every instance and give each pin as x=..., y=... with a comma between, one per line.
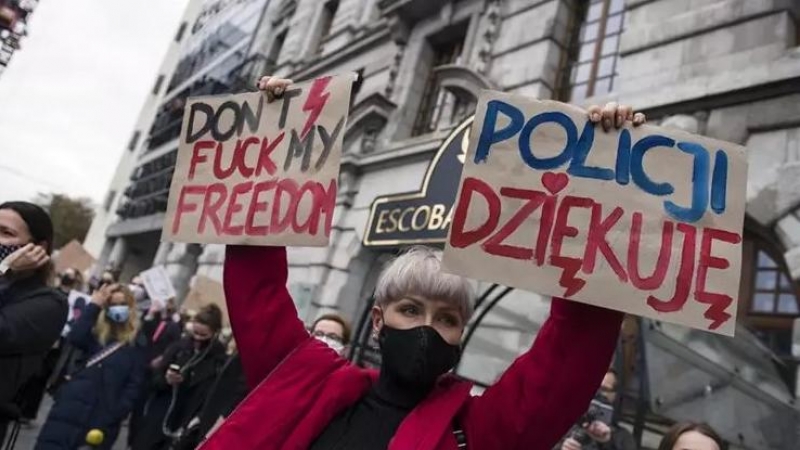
x=259, y=173
x=158, y=285
x=643, y=220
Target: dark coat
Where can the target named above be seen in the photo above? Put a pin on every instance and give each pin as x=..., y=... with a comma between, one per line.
x=191, y=393
x=100, y=396
x=229, y=389
x=32, y=316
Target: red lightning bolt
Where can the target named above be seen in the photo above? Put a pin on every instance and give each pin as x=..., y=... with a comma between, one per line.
x=568, y=279
x=317, y=97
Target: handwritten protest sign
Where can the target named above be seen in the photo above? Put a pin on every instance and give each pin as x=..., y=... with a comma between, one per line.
x=643, y=220
x=75, y=256
x=259, y=173
x=157, y=284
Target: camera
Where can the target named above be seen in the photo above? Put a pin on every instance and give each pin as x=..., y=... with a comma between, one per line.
x=600, y=410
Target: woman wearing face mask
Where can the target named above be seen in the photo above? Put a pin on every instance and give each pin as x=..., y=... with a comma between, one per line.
x=419, y=318
x=101, y=393
x=692, y=436
x=183, y=379
x=32, y=314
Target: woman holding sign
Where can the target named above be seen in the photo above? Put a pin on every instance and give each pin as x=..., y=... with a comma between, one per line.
x=307, y=397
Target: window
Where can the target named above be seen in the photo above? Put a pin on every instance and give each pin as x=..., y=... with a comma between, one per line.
x=589, y=67
x=134, y=141
x=437, y=105
x=109, y=200
x=159, y=82
x=275, y=51
x=774, y=291
x=326, y=22
x=181, y=31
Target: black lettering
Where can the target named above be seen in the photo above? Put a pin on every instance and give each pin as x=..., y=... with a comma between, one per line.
x=251, y=118
x=215, y=131
x=327, y=142
x=287, y=99
x=298, y=148
x=191, y=134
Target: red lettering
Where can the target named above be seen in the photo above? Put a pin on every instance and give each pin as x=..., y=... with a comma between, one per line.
x=211, y=207
x=240, y=155
x=561, y=229
x=279, y=224
x=664, y=255
x=683, y=282
x=197, y=158
x=183, y=207
x=547, y=218
x=256, y=206
x=460, y=238
x=234, y=207
x=313, y=213
x=719, y=302
x=494, y=245
x=327, y=201
x=596, y=240
x=265, y=161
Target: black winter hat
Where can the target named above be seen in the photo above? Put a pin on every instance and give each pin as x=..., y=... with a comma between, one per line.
x=37, y=219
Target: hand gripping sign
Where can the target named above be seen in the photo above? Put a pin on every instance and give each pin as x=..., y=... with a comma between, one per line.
x=257, y=173
x=643, y=220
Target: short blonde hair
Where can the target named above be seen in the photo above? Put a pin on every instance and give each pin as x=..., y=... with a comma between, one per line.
x=418, y=272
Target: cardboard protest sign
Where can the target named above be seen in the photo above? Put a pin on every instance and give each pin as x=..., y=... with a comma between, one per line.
x=205, y=291
x=643, y=220
x=75, y=256
x=158, y=285
x=258, y=173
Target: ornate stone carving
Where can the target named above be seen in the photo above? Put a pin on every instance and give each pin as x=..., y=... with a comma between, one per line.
x=491, y=16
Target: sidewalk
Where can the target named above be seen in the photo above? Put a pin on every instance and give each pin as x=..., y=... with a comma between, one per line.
x=28, y=433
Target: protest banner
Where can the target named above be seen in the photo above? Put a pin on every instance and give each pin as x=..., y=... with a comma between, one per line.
x=259, y=173
x=203, y=292
x=75, y=256
x=643, y=220
x=158, y=285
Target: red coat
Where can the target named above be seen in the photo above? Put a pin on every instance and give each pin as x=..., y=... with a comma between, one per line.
x=302, y=384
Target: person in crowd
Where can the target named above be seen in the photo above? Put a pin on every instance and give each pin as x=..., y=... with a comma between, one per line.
x=229, y=389
x=101, y=394
x=32, y=314
x=603, y=436
x=107, y=277
x=692, y=436
x=333, y=330
x=418, y=318
x=158, y=332
x=182, y=381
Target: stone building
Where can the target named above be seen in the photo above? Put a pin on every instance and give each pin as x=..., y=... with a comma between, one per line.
x=728, y=69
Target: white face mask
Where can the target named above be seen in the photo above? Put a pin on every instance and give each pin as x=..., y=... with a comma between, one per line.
x=189, y=327
x=176, y=317
x=337, y=346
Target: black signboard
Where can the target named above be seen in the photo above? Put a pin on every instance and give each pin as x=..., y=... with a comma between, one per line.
x=422, y=217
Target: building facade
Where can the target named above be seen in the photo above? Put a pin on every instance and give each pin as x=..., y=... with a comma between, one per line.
x=14, y=16
x=728, y=69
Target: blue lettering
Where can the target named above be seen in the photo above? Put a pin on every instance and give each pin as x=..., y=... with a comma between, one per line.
x=624, y=158
x=489, y=135
x=637, y=167
x=525, y=141
x=699, y=185
x=719, y=182
x=582, y=148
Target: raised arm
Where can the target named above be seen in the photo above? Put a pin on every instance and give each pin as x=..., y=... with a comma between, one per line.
x=547, y=389
x=262, y=313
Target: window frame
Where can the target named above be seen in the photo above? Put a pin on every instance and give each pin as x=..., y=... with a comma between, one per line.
x=773, y=265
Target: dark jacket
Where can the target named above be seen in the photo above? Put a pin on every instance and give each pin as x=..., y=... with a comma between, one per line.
x=32, y=316
x=100, y=396
x=191, y=393
x=229, y=389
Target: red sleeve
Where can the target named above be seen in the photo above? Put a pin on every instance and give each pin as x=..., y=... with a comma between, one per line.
x=262, y=313
x=547, y=389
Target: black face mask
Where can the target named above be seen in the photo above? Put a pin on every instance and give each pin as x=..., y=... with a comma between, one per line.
x=67, y=281
x=416, y=356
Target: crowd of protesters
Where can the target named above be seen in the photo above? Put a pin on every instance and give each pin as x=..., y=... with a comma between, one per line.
x=109, y=355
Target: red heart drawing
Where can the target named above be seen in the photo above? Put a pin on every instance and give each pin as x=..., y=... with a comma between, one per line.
x=555, y=182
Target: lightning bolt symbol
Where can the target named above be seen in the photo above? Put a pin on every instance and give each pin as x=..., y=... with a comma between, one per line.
x=716, y=312
x=568, y=279
x=317, y=97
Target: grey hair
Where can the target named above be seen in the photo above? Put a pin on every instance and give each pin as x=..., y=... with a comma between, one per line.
x=417, y=272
